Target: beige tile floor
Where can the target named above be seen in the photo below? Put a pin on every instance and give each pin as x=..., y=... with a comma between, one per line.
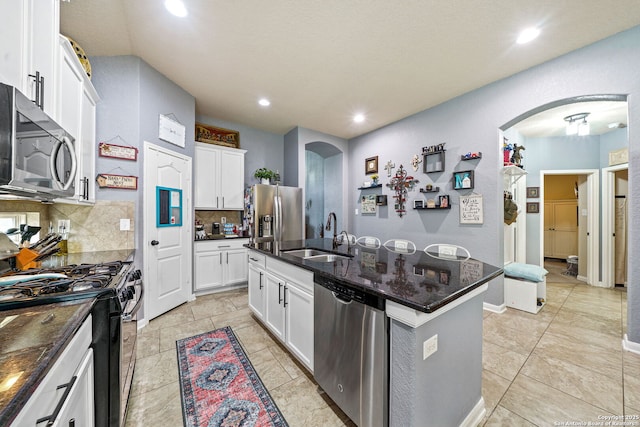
x=564, y=364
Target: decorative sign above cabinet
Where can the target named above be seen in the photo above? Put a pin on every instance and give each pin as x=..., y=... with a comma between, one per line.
x=217, y=136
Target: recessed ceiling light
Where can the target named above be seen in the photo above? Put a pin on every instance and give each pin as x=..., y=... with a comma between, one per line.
x=358, y=118
x=527, y=35
x=264, y=102
x=176, y=7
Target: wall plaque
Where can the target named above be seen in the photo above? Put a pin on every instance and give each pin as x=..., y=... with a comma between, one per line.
x=123, y=182
x=117, y=151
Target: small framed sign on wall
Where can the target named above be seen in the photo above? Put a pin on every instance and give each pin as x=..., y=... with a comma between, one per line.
x=471, y=209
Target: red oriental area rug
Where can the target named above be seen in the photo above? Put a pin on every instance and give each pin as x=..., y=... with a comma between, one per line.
x=220, y=387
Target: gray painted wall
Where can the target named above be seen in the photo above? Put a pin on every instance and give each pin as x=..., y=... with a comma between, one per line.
x=133, y=95
x=421, y=390
x=471, y=122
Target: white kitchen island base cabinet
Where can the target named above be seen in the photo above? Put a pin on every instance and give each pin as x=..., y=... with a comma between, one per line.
x=219, y=264
x=281, y=297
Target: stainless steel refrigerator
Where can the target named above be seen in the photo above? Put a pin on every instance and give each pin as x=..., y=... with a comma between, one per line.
x=277, y=213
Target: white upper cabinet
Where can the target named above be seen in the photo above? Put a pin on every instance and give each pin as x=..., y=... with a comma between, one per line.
x=41, y=63
x=76, y=108
x=28, y=48
x=219, y=177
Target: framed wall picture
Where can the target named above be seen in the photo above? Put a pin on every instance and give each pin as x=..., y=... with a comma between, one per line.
x=533, y=207
x=217, y=136
x=463, y=180
x=533, y=192
x=444, y=202
x=369, y=204
x=418, y=204
x=471, y=209
x=371, y=165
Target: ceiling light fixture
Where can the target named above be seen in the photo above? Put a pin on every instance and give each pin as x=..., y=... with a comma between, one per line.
x=616, y=125
x=358, y=118
x=176, y=7
x=527, y=35
x=577, y=124
x=264, y=102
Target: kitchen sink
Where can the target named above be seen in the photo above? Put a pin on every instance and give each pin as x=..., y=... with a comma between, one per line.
x=304, y=253
x=326, y=258
x=315, y=255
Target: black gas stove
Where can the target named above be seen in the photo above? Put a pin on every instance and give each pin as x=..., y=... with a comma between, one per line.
x=70, y=282
x=116, y=289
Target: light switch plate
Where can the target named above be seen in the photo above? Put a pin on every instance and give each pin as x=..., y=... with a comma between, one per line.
x=125, y=224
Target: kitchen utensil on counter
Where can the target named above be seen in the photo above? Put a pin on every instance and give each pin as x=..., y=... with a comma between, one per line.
x=27, y=232
x=47, y=254
x=8, y=248
x=44, y=241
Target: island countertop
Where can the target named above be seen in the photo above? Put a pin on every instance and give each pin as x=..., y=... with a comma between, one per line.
x=421, y=281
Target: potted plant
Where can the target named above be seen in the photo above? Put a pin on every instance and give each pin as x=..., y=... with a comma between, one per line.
x=374, y=178
x=264, y=175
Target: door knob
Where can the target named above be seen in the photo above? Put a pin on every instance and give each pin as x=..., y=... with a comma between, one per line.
x=154, y=243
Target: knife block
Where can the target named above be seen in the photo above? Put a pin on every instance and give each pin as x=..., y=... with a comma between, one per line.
x=24, y=259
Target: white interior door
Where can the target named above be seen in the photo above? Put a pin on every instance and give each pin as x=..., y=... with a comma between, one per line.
x=167, y=248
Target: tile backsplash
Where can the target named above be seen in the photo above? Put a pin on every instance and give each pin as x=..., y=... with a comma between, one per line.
x=97, y=227
x=209, y=217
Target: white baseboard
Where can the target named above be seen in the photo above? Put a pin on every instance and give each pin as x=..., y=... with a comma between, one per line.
x=494, y=308
x=476, y=415
x=631, y=346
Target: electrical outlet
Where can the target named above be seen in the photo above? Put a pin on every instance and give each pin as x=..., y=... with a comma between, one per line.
x=64, y=225
x=223, y=220
x=430, y=346
x=356, y=211
x=125, y=224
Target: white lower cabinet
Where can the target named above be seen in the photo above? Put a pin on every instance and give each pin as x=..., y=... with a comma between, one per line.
x=219, y=263
x=281, y=296
x=257, y=279
x=69, y=383
x=78, y=408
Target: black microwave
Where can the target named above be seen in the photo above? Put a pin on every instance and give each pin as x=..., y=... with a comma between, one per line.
x=37, y=156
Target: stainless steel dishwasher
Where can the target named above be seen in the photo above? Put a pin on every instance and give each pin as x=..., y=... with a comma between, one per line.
x=351, y=351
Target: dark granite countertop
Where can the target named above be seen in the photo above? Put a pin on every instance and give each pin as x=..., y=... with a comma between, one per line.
x=420, y=281
x=32, y=339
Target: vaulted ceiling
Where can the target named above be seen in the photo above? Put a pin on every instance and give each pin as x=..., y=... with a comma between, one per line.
x=321, y=62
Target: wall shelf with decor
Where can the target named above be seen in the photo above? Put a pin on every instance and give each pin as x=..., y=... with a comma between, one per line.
x=370, y=187
x=433, y=158
x=471, y=156
x=436, y=208
x=433, y=190
x=443, y=203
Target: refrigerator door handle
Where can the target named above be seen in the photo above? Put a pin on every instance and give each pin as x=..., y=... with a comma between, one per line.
x=277, y=201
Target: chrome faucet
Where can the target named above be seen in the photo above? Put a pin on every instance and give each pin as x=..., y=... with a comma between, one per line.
x=347, y=238
x=335, y=227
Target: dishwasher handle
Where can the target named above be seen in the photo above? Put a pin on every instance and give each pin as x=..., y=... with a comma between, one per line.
x=342, y=299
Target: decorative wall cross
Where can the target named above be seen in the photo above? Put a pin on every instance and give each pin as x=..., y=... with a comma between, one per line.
x=401, y=184
x=389, y=167
x=415, y=162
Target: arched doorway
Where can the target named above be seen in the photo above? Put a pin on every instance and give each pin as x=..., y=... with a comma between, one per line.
x=323, y=187
x=543, y=131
